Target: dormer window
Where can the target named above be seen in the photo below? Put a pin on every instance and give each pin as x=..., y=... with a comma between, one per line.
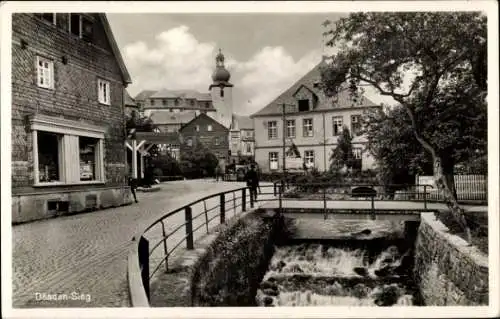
x=304, y=105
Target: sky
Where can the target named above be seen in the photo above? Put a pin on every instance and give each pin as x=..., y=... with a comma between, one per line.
x=265, y=52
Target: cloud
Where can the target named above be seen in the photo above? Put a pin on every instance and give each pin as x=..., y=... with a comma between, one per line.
x=179, y=61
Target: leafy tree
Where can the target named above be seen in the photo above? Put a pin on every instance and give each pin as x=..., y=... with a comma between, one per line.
x=398, y=154
x=168, y=165
x=441, y=54
x=342, y=156
x=140, y=123
x=198, y=161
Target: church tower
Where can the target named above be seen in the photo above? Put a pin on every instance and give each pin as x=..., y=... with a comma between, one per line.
x=222, y=92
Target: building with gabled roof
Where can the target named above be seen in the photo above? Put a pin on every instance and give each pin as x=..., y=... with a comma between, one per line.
x=68, y=115
x=312, y=124
x=210, y=133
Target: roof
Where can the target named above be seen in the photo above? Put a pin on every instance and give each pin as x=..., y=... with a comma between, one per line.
x=183, y=94
x=163, y=117
x=128, y=100
x=144, y=94
x=114, y=47
x=324, y=103
x=201, y=116
x=243, y=122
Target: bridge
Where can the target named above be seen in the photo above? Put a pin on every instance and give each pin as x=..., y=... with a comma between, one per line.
x=393, y=210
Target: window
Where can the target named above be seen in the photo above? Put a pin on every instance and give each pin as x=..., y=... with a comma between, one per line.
x=273, y=160
x=103, y=89
x=303, y=105
x=249, y=148
x=45, y=73
x=49, y=157
x=216, y=141
x=192, y=102
x=355, y=124
x=49, y=17
x=309, y=158
x=88, y=158
x=209, y=128
x=164, y=102
x=197, y=128
x=176, y=102
x=152, y=102
x=207, y=105
x=308, y=127
x=290, y=128
x=337, y=125
x=66, y=152
x=222, y=92
x=272, y=130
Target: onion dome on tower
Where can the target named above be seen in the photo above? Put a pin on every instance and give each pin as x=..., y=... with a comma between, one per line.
x=220, y=75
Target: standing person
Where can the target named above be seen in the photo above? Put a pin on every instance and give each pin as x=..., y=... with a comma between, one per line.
x=252, y=179
x=132, y=182
x=217, y=173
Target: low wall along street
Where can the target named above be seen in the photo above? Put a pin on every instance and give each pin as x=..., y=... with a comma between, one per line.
x=30, y=207
x=448, y=270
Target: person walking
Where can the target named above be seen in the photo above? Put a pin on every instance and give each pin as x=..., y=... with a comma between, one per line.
x=132, y=182
x=252, y=179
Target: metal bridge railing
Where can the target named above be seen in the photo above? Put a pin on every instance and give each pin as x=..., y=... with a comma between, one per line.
x=154, y=247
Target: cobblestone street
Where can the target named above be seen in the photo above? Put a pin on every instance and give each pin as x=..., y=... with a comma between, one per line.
x=86, y=253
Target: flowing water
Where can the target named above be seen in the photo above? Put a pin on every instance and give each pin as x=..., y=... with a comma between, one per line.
x=345, y=274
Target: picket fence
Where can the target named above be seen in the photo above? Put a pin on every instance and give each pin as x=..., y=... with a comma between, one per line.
x=469, y=187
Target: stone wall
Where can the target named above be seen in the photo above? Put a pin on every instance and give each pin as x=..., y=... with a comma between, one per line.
x=448, y=271
x=30, y=207
x=230, y=271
